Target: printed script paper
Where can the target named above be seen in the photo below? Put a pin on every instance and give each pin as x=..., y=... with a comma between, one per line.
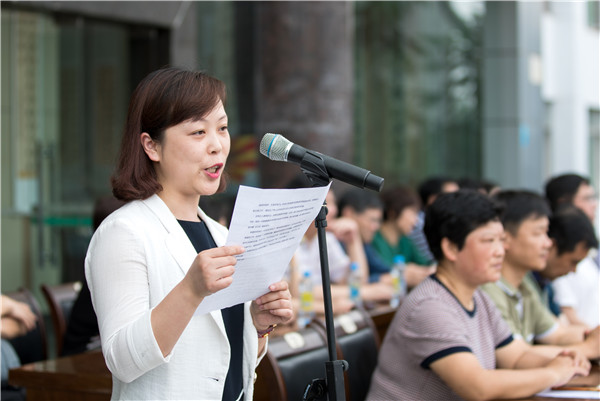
x=571, y=394
x=269, y=224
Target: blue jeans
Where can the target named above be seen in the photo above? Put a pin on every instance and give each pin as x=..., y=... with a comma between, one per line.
x=10, y=360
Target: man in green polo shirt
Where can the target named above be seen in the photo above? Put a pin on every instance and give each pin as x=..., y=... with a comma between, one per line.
x=527, y=246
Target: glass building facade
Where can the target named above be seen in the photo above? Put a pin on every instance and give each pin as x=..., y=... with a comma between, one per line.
x=399, y=88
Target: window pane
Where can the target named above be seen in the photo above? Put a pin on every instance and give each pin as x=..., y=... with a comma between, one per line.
x=417, y=90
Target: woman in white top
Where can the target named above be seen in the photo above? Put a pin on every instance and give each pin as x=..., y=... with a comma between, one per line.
x=152, y=262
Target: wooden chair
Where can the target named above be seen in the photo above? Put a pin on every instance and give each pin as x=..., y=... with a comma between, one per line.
x=60, y=299
x=31, y=347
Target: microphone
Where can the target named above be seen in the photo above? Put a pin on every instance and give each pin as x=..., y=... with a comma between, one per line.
x=278, y=148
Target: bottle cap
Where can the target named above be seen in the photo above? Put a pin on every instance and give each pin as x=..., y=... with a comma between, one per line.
x=399, y=259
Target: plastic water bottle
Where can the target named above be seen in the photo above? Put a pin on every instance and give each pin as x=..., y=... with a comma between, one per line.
x=398, y=282
x=307, y=310
x=354, y=284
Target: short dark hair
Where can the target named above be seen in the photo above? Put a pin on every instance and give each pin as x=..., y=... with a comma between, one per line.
x=471, y=183
x=360, y=200
x=569, y=227
x=455, y=215
x=432, y=186
x=164, y=98
x=561, y=189
x=482, y=185
x=520, y=205
x=396, y=199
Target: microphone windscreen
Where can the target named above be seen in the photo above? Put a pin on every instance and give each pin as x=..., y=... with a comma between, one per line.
x=274, y=147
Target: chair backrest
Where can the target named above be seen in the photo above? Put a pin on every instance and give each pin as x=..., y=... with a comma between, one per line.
x=31, y=347
x=382, y=318
x=359, y=342
x=293, y=360
x=60, y=299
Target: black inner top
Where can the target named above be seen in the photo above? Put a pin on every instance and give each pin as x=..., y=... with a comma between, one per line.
x=233, y=317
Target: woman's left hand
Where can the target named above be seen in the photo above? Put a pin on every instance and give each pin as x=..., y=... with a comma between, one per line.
x=275, y=307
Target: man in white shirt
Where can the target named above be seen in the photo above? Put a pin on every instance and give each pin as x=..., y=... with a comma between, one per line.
x=577, y=293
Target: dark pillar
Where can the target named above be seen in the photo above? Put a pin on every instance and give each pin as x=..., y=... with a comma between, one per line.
x=304, y=79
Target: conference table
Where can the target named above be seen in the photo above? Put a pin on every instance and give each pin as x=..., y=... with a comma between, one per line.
x=589, y=384
x=82, y=377
x=85, y=376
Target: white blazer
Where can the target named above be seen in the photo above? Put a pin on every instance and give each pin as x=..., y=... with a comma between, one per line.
x=135, y=258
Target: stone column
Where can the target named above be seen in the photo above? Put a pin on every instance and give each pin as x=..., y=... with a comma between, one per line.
x=304, y=79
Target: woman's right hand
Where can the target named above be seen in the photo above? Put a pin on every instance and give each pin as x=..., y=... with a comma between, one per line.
x=212, y=270
x=566, y=365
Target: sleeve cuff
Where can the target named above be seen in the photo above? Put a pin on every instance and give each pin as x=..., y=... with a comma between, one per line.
x=441, y=354
x=547, y=332
x=145, y=351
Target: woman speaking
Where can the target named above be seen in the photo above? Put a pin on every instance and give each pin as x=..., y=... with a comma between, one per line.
x=153, y=261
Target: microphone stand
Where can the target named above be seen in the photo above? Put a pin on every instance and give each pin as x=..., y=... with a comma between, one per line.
x=332, y=387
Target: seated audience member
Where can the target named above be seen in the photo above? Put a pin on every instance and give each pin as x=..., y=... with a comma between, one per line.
x=527, y=246
x=572, y=189
x=577, y=292
x=572, y=236
x=401, y=206
x=82, y=332
x=17, y=320
x=307, y=258
x=366, y=209
x=344, y=246
x=428, y=192
x=447, y=340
